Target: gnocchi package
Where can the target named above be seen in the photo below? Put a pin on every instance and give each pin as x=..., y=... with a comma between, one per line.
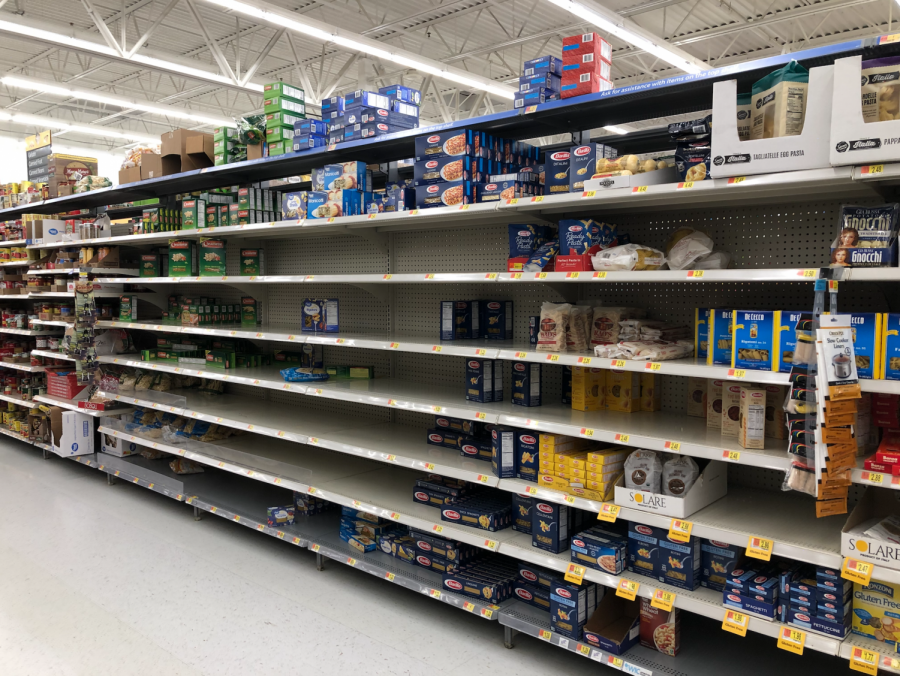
x=628, y=257
x=779, y=102
x=678, y=475
x=881, y=89
x=643, y=471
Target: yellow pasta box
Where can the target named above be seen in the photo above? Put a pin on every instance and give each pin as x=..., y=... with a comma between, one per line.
x=755, y=335
x=587, y=388
x=608, y=456
x=651, y=395
x=876, y=611
x=720, y=340
x=553, y=482
x=604, y=477
x=623, y=391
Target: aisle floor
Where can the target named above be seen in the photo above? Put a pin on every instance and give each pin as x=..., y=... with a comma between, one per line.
x=98, y=579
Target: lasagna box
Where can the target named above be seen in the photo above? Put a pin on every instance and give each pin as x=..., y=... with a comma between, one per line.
x=449, y=144
x=446, y=194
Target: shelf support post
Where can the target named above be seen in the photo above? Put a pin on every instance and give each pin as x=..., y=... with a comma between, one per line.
x=197, y=513
x=320, y=561
x=110, y=480
x=508, y=638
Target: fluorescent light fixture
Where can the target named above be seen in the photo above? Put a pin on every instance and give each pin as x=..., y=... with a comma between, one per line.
x=614, y=25
x=100, y=97
x=616, y=130
x=78, y=44
x=358, y=43
x=59, y=125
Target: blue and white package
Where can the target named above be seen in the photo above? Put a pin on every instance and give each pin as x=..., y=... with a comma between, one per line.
x=302, y=374
x=396, y=119
x=316, y=204
x=542, y=64
x=533, y=97
x=523, y=239
x=574, y=237
x=754, y=344
x=460, y=319
x=866, y=328
x=320, y=315
x=480, y=385
x=361, y=98
x=405, y=109
x=401, y=93
x=497, y=320
x=720, y=340
x=305, y=127
x=334, y=104
x=293, y=205
x=540, y=81
x=787, y=339
x=527, y=454
x=542, y=256
x=307, y=141
x=503, y=451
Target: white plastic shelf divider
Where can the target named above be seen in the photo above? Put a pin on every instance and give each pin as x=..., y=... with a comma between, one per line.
x=52, y=355
x=152, y=475
x=12, y=242
x=73, y=406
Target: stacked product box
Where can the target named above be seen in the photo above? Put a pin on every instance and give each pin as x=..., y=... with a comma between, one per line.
x=284, y=104
x=360, y=529
x=226, y=147
x=363, y=114
x=653, y=554
x=438, y=491
x=567, y=463
x=571, y=605
x=341, y=189
x=601, y=550
x=491, y=580
x=818, y=599
x=470, y=319
x=309, y=134
x=309, y=505
x=471, y=439
x=552, y=525
x=586, y=65
x=533, y=585
x=875, y=611
x=540, y=82
x=485, y=510
x=717, y=562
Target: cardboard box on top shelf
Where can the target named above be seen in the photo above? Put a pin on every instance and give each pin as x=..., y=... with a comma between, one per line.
x=199, y=150
x=174, y=144
x=254, y=152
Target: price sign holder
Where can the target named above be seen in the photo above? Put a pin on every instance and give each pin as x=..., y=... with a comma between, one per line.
x=736, y=622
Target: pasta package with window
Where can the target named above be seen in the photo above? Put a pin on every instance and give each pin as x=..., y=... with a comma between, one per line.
x=881, y=89
x=779, y=103
x=866, y=236
x=660, y=629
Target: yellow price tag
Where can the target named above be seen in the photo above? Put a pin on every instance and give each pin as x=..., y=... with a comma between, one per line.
x=618, y=363
x=463, y=207
x=539, y=198
x=615, y=662
x=552, y=357
x=584, y=649
x=652, y=366
x=392, y=458
x=737, y=373
x=573, y=275
x=430, y=275
x=540, y=275
x=589, y=193
x=311, y=490
x=791, y=640
x=587, y=432
x=434, y=593
x=865, y=661
x=491, y=544
x=483, y=478
x=521, y=355
x=733, y=456
x=259, y=526
x=873, y=169
x=695, y=274
x=584, y=360
x=808, y=274
x=662, y=599
x=531, y=490
x=487, y=612
x=351, y=561
x=874, y=477
x=429, y=466
x=371, y=216
x=680, y=530
x=469, y=606
x=514, y=200
x=296, y=541
x=759, y=548
x=736, y=622
x=394, y=346
x=673, y=446
x=435, y=348
x=389, y=577
x=491, y=275
x=395, y=516
x=639, y=188
x=314, y=547
x=734, y=180
x=627, y=589
x=687, y=185
x=386, y=277
x=857, y=571
x=545, y=635
x=480, y=353
x=575, y=573
x=599, y=275
x=609, y=512
x=481, y=416
x=624, y=438
x=437, y=528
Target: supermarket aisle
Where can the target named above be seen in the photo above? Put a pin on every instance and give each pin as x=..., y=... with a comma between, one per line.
x=119, y=580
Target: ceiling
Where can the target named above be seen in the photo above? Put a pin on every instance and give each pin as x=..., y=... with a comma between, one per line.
x=490, y=38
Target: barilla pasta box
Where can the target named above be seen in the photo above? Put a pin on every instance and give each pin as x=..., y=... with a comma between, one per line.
x=532, y=595
x=503, y=451
x=522, y=506
x=320, y=315
x=527, y=455
x=732, y=599
x=550, y=526
x=541, y=65
x=436, y=563
x=570, y=607
x=720, y=340
x=480, y=380
x=754, y=341
x=450, y=144
x=445, y=170
x=866, y=327
x=497, y=320
x=717, y=562
x=480, y=511
x=539, y=81
x=600, y=550
x=890, y=346
x=831, y=624
x=680, y=563
x=537, y=576
x=447, y=549
x=444, y=437
x=575, y=237
x=526, y=383
x=446, y=194
x=470, y=427
x=401, y=93
x=785, y=331
x=582, y=162
x=556, y=173
x=701, y=333
x=476, y=448
x=643, y=549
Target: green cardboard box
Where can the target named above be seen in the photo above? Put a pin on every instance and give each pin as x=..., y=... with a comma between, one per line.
x=220, y=359
x=212, y=258
x=253, y=262
x=212, y=217
x=280, y=104
x=282, y=119
x=193, y=214
x=275, y=134
x=182, y=258
x=249, y=312
x=285, y=90
x=224, y=133
x=279, y=148
x=149, y=265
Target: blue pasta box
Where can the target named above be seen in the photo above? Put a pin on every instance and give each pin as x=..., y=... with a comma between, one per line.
x=754, y=339
x=485, y=511
x=469, y=427
x=890, y=346
x=317, y=178
x=701, y=333
x=787, y=339
x=371, y=129
x=311, y=356
x=615, y=625
x=307, y=141
x=527, y=454
x=833, y=589
x=717, y=561
x=317, y=204
x=476, y=448
x=756, y=584
x=680, y=563
x=397, y=199
x=567, y=384
x=582, y=164
x=361, y=98
x=451, y=143
x=570, y=607
x=401, y=93
x=537, y=576
x=433, y=498
x=354, y=513
x=541, y=65
x=336, y=136
x=453, y=487
x=446, y=549
x=732, y=599
x=481, y=381
x=532, y=595
x=556, y=172
x=524, y=239
x=575, y=237
x=444, y=437
x=533, y=97
x=398, y=545
x=533, y=322
x=311, y=127
x=550, y=526
x=280, y=516
x=503, y=451
x=503, y=190
x=397, y=119
x=435, y=563
x=601, y=550
x=826, y=574
x=866, y=328
x=334, y=104
x=336, y=123
x=460, y=319
x=407, y=109
x=320, y=315
x=540, y=81
x=446, y=194
x=348, y=176
x=294, y=205
x=720, y=327
x=360, y=527
x=522, y=506
x=837, y=624
x=526, y=384
x=443, y=170
x=360, y=543
x=643, y=549
x=497, y=320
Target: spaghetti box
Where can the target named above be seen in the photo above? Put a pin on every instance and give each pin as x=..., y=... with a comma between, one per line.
x=540, y=81
x=320, y=315
x=397, y=545
x=831, y=590
x=587, y=43
x=753, y=334
x=754, y=584
x=732, y=599
x=283, y=89
x=579, y=84
x=537, y=576
x=556, y=173
x=804, y=591
x=532, y=595
x=582, y=164
x=527, y=455
x=361, y=98
x=401, y=93
x=333, y=105
x=281, y=104
x=360, y=543
x=452, y=487
x=526, y=384
x=550, y=526
x=446, y=194
x=837, y=624
x=482, y=511
x=720, y=340
x=447, y=549
x=444, y=437
x=470, y=427
x=503, y=451
x=433, y=498
x=717, y=561
x=542, y=65
x=643, y=549
x=522, y=506
x=497, y=321
x=480, y=381
x=435, y=563
x=475, y=448
x=280, y=516
x=866, y=331
x=533, y=323
x=307, y=141
x=450, y=144
x=475, y=586
x=533, y=97
x=570, y=607
x=825, y=574
x=600, y=550
x=359, y=514
x=397, y=120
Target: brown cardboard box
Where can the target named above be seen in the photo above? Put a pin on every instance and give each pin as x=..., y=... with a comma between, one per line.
x=154, y=166
x=255, y=152
x=129, y=175
x=776, y=426
x=70, y=167
x=714, y=404
x=731, y=408
x=696, y=403
x=175, y=141
x=200, y=150
x=64, y=191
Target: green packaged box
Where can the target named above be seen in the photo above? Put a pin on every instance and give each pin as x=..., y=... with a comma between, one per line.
x=220, y=359
x=280, y=104
x=226, y=146
x=182, y=258
x=212, y=217
x=223, y=215
x=282, y=119
x=285, y=90
x=148, y=355
x=150, y=220
x=279, y=148
x=338, y=371
x=149, y=265
x=169, y=355
x=364, y=372
x=219, y=159
x=224, y=133
x=275, y=134
x=234, y=211
x=212, y=257
x=127, y=309
x=253, y=262
x=249, y=312
x=193, y=214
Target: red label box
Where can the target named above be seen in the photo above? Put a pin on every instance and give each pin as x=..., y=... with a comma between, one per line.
x=586, y=43
x=579, y=84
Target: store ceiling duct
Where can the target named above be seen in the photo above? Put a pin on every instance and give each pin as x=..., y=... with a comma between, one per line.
x=64, y=90
x=59, y=125
x=628, y=31
x=319, y=30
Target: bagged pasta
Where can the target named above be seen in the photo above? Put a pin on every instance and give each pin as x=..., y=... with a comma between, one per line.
x=553, y=326
x=686, y=246
x=606, y=323
x=577, y=332
x=542, y=256
x=643, y=471
x=779, y=102
x=678, y=475
x=881, y=89
x=717, y=260
x=628, y=257
x=185, y=466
